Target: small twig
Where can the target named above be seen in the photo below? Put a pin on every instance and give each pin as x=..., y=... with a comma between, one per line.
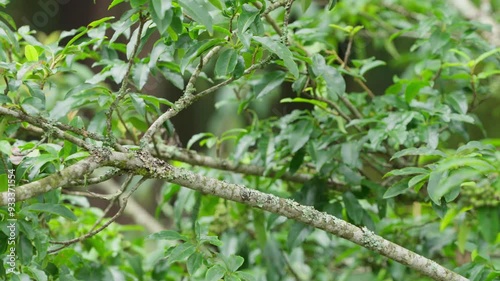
x=269, y=19
x=133, y=136
x=188, y=98
x=288, y=9
x=351, y=107
x=274, y=6
x=347, y=52
x=123, y=204
x=6, y=90
x=356, y=79
x=122, y=92
x=47, y=126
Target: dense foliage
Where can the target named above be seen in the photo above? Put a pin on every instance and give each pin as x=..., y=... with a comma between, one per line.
x=379, y=108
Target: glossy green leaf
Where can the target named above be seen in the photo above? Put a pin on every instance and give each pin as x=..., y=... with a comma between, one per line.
x=167, y=235
x=297, y=160
x=396, y=189
x=335, y=83
x=350, y=153
x=489, y=220
x=140, y=75
x=181, y=252
x=194, y=262
x=407, y=171
x=161, y=14
x=226, y=63
x=299, y=135
x=98, y=22
x=215, y=273
x=198, y=10
x=197, y=49
x=281, y=51
x=268, y=83
x=297, y=234
x=31, y=53
x=417, y=151
x=234, y=262
x=247, y=17
x=434, y=186
x=332, y=4
x=56, y=209
x=353, y=208
x=413, y=89
x=114, y=3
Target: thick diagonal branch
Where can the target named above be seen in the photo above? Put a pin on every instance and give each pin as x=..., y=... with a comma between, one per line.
x=144, y=164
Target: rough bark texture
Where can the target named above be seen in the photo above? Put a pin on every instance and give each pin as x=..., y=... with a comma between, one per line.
x=143, y=163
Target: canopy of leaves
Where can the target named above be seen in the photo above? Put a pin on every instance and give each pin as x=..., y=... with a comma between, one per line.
x=379, y=97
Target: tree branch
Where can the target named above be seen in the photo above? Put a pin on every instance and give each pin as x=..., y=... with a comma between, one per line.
x=141, y=162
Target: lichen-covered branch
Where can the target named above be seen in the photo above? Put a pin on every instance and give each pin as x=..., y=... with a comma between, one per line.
x=143, y=163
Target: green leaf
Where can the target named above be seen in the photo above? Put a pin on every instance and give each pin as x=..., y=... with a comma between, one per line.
x=331, y=4
x=198, y=10
x=305, y=5
x=79, y=155
x=31, y=53
x=300, y=134
x=320, y=104
x=406, y=171
x=239, y=69
x=5, y=147
x=456, y=162
x=371, y=64
x=433, y=186
x=413, y=89
x=167, y=235
x=396, y=189
x=197, y=49
x=181, y=252
x=198, y=137
x=417, y=179
x=234, y=262
x=350, y=153
x=140, y=75
x=485, y=55
x=281, y=51
x=56, y=209
x=194, y=262
x=226, y=63
x=137, y=3
x=297, y=234
x=98, y=22
x=215, y=273
x=335, y=83
x=114, y=3
x=161, y=13
x=489, y=220
x=247, y=17
x=269, y=82
x=136, y=264
x=9, y=36
x=139, y=104
x=418, y=151
x=353, y=208
x=297, y=160
x=246, y=276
